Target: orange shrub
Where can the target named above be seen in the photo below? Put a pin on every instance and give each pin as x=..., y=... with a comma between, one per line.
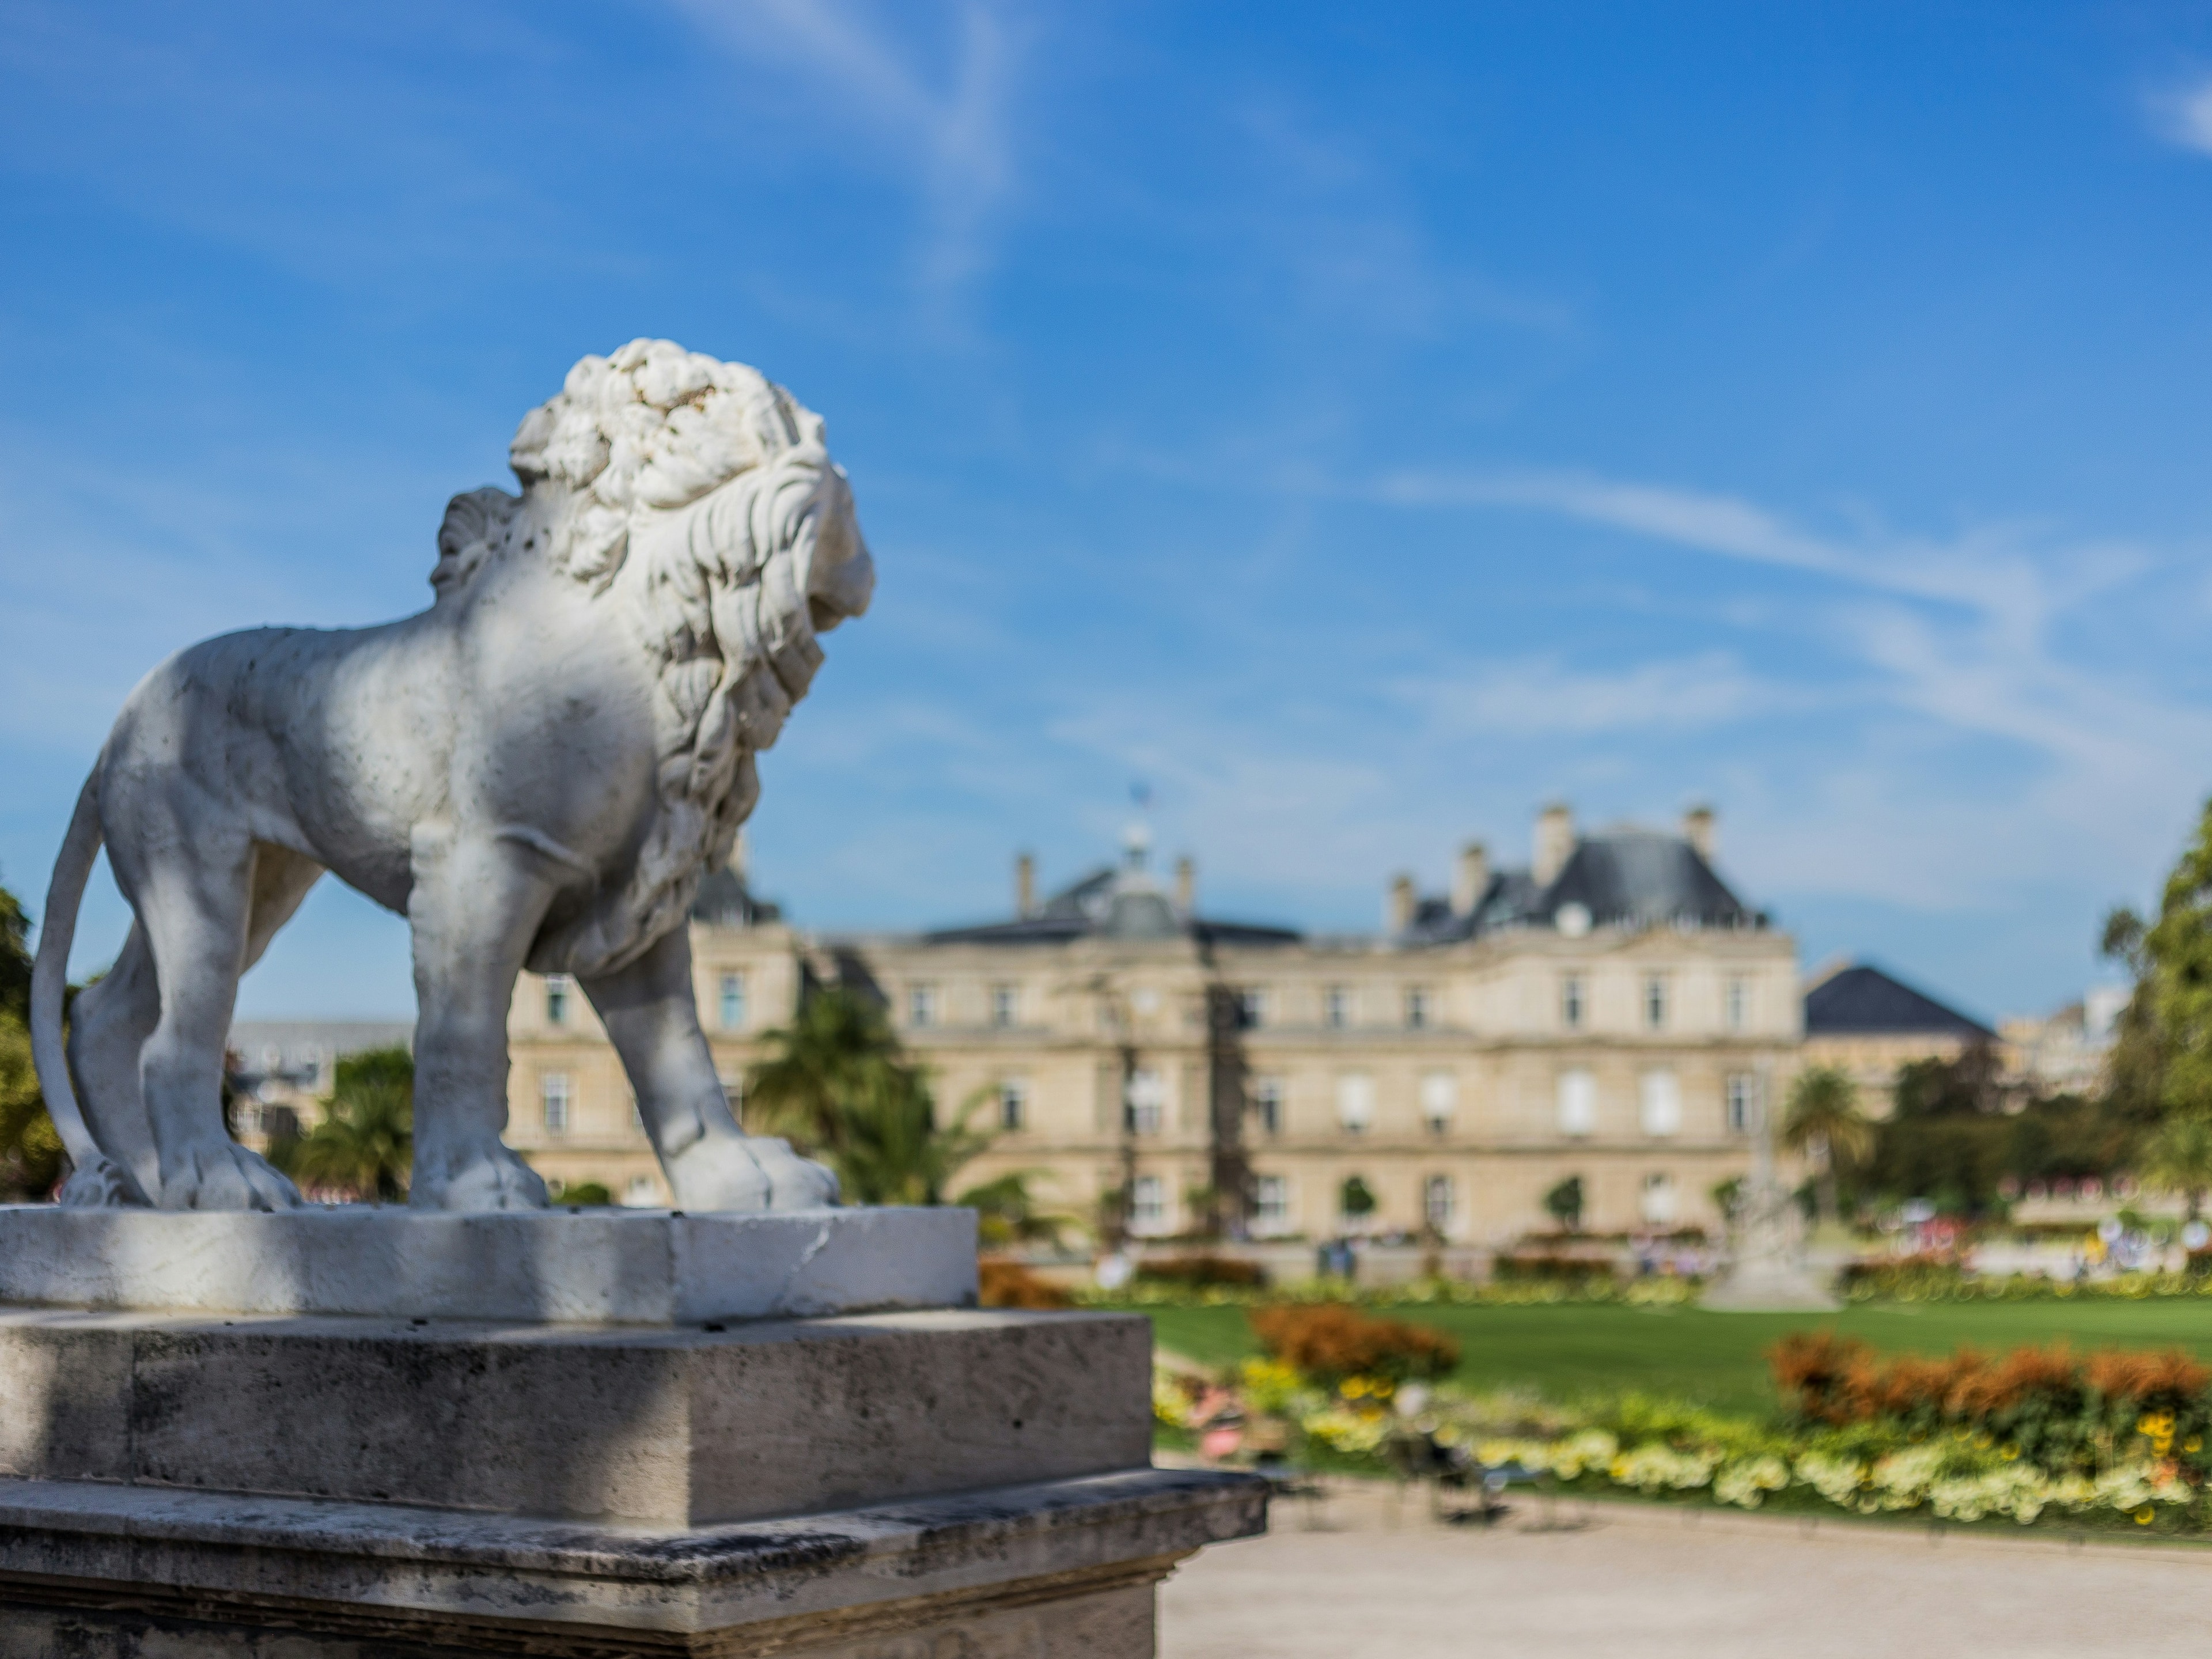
x=1331, y=1342
x=1010, y=1285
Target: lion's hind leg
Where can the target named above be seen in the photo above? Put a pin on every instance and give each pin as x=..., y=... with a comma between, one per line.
x=109, y=1023
x=191, y=876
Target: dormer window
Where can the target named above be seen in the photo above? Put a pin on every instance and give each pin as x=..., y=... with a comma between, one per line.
x=1655, y=1002
x=1574, y=1001
x=558, y=987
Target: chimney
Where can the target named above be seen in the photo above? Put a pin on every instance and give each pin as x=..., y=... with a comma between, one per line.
x=1698, y=830
x=1555, y=842
x=1398, y=907
x=1186, y=886
x=1025, y=885
x=1470, y=877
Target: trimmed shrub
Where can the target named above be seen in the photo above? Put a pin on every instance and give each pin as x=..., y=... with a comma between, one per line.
x=1202, y=1272
x=1526, y=1267
x=1010, y=1285
x=1331, y=1342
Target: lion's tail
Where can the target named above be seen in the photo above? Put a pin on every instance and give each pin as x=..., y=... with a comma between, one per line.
x=98, y=1179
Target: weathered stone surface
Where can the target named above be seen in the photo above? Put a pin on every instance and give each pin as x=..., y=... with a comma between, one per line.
x=594, y=1267
x=1062, y=1569
x=684, y=1426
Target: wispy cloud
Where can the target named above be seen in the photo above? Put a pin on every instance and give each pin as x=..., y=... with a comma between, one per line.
x=1961, y=632
x=1542, y=697
x=2186, y=118
x=947, y=130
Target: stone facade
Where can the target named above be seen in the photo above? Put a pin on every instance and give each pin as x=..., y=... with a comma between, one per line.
x=1612, y=1011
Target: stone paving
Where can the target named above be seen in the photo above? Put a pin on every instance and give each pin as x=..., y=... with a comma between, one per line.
x=1365, y=1575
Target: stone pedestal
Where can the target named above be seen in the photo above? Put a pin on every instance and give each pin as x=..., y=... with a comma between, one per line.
x=324, y=1485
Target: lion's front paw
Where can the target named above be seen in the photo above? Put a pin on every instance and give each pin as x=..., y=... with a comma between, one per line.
x=796, y=1183
x=474, y=1177
x=225, y=1177
x=718, y=1172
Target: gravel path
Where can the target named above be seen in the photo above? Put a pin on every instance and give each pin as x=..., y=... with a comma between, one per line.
x=1366, y=1577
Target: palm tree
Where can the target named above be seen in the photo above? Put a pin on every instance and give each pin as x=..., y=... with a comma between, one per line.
x=1824, y=1122
x=1007, y=1213
x=837, y=1083
x=365, y=1145
x=2178, y=1157
x=838, y=1050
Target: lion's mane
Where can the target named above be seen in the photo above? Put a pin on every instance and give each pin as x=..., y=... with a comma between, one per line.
x=691, y=487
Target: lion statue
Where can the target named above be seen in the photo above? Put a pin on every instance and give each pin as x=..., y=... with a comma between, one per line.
x=535, y=771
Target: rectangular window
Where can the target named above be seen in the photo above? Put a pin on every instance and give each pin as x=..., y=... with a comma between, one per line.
x=1145, y=1103
x=730, y=1002
x=642, y=1193
x=1013, y=1104
x=1336, y=1008
x=1252, y=1007
x=1574, y=1001
x=1416, y=1008
x=1271, y=1204
x=1267, y=1104
x=1735, y=1002
x=556, y=1093
x=921, y=1004
x=1742, y=1102
x=1355, y=1103
x=1005, y=1006
x=1659, y=1205
x=557, y=989
x=1438, y=1202
x=1577, y=1102
x=1659, y=1100
x=1655, y=1002
x=1439, y=1101
x=1148, y=1204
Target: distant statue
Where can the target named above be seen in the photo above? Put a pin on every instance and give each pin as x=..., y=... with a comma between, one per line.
x=535, y=771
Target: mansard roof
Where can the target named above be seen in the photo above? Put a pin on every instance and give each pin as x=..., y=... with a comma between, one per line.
x=1624, y=878
x=1864, y=1001
x=725, y=900
x=1111, y=904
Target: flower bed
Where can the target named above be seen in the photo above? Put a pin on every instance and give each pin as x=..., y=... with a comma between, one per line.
x=2039, y=1434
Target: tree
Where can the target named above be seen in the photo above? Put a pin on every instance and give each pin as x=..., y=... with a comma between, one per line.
x=1824, y=1122
x=31, y=1156
x=2177, y=1158
x=1562, y=1202
x=2162, y=1060
x=837, y=1082
x=14, y=958
x=1007, y=1213
x=365, y=1145
x=836, y=1052
x=1355, y=1200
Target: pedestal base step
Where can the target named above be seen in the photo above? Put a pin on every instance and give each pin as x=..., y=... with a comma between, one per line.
x=1064, y=1569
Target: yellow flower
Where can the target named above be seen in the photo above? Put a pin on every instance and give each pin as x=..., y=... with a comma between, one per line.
x=2143, y=1516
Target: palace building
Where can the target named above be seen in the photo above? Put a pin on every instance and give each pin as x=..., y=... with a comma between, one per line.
x=1611, y=1010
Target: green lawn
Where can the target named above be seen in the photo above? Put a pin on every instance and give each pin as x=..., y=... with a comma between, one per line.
x=1715, y=1359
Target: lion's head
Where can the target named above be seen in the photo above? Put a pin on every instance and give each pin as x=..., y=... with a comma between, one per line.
x=700, y=497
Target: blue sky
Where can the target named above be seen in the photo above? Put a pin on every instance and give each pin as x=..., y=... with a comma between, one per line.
x=1361, y=424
